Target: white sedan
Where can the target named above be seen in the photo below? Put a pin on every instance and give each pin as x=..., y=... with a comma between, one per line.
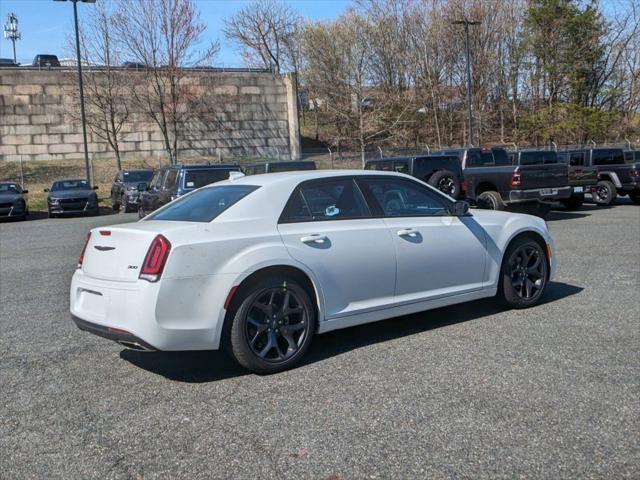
x=258, y=265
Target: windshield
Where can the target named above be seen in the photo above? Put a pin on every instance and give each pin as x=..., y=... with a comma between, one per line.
x=137, y=177
x=9, y=188
x=70, y=185
x=200, y=178
x=203, y=205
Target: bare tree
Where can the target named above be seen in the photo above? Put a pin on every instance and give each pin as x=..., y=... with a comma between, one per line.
x=163, y=36
x=105, y=86
x=266, y=30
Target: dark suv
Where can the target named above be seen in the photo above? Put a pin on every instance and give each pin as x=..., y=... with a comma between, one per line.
x=443, y=172
x=42, y=60
x=169, y=183
x=125, y=189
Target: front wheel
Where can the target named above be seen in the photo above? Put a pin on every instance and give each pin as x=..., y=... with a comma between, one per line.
x=524, y=273
x=605, y=193
x=272, y=326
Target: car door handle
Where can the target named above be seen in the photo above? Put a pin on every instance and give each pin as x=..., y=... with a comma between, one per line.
x=314, y=238
x=407, y=232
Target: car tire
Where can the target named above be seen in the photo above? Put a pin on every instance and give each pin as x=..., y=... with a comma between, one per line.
x=263, y=338
x=524, y=273
x=635, y=197
x=574, y=202
x=605, y=193
x=49, y=214
x=490, y=200
x=447, y=182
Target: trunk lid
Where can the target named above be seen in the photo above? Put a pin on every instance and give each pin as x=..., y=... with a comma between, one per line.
x=118, y=252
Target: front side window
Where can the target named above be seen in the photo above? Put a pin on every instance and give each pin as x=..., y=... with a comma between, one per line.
x=170, y=180
x=318, y=200
x=203, y=205
x=396, y=197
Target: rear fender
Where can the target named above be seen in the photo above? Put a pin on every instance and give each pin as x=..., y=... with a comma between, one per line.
x=611, y=176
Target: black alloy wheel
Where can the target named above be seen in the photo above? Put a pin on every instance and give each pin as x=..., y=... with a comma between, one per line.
x=527, y=271
x=446, y=185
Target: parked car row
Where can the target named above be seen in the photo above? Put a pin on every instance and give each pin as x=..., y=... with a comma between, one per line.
x=491, y=177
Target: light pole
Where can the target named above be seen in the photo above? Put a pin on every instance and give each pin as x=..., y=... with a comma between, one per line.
x=466, y=24
x=82, y=114
x=11, y=32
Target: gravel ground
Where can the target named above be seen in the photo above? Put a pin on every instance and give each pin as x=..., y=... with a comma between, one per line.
x=467, y=391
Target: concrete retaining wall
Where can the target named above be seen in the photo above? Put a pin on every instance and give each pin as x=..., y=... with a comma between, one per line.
x=250, y=115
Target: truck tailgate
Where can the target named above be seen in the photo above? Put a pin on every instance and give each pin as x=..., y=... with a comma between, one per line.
x=543, y=176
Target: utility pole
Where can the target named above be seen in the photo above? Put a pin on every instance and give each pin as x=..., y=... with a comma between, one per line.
x=80, y=84
x=466, y=24
x=11, y=32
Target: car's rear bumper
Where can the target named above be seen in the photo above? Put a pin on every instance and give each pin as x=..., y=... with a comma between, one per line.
x=550, y=194
x=120, y=336
x=172, y=314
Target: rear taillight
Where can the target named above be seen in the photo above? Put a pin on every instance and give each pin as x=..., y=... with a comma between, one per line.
x=516, y=179
x=84, y=249
x=464, y=186
x=155, y=260
x=634, y=172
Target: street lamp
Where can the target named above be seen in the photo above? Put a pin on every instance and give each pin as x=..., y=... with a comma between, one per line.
x=466, y=24
x=11, y=32
x=82, y=114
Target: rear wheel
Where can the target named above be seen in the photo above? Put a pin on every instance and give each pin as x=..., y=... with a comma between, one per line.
x=272, y=326
x=524, y=273
x=605, y=193
x=490, y=200
x=446, y=182
x=574, y=202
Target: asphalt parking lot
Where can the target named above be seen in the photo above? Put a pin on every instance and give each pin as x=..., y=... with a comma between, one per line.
x=470, y=391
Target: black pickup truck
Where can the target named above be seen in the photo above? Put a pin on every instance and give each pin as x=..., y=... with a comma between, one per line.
x=493, y=182
x=443, y=172
x=615, y=177
x=582, y=179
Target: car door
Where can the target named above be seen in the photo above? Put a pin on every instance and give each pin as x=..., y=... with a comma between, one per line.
x=327, y=227
x=150, y=198
x=437, y=254
x=167, y=191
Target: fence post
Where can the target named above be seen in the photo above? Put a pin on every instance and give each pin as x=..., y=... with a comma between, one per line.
x=555, y=146
x=219, y=155
x=330, y=156
x=628, y=143
x=515, y=146
x=21, y=173
x=593, y=143
x=380, y=150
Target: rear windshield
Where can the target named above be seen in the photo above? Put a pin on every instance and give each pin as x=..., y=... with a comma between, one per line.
x=137, y=176
x=538, y=158
x=203, y=205
x=200, y=178
x=607, y=157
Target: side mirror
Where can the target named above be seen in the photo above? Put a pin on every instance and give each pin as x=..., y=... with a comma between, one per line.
x=459, y=208
x=142, y=187
x=95, y=187
x=46, y=189
x=25, y=191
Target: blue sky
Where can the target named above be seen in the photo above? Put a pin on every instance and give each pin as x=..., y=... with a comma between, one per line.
x=44, y=24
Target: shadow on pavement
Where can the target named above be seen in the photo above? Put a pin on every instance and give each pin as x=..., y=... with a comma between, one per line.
x=209, y=366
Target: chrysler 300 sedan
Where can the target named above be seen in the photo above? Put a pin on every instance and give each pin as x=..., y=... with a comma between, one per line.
x=258, y=265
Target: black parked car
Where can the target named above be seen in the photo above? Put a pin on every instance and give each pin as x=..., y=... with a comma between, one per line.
x=71, y=196
x=13, y=203
x=169, y=183
x=273, y=167
x=443, y=172
x=42, y=60
x=125, y=188
x=615, y=176
x=493, y=182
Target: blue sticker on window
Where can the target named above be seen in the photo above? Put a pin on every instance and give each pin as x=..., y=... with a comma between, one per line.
x=331, y=211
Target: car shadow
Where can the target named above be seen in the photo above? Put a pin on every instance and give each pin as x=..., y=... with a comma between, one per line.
x=209, y=366
x=556, y=215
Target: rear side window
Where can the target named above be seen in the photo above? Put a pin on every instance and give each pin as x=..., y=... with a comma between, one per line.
x=500, y=157
x=576, y=159
x=476, y=158
x=335, y=199
x=607, y=157
x=538, y=158
x=385, y=166
x=203, y=205
x=200, y=178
